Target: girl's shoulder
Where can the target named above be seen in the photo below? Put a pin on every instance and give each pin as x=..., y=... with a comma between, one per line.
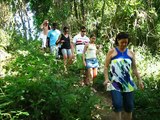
x=112, y=52
x=131, y=53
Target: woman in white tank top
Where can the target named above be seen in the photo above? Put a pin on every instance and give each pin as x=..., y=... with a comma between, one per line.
x=90, y=59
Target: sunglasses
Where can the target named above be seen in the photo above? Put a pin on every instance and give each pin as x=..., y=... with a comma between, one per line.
x=83, y=31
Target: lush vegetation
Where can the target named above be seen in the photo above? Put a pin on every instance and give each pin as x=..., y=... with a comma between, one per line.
x=34, y=85
x=38, y=89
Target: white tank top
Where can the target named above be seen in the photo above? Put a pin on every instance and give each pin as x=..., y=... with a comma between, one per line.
x=91, y=51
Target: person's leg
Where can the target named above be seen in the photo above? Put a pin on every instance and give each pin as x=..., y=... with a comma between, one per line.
x=86, y=81
x=117, y=102
x=89, y=73
x=53, y=50
x=44, y=41
x=79, y=62
x=41, y=39
x=127, y=116
x=95, y=65
x=58, y=50
x=69, y=54
x=128, y=101
x=81, y=68
x=90, y=76
x=64, y=53
x=94, y=72
x=118, y=115
x=72, y=50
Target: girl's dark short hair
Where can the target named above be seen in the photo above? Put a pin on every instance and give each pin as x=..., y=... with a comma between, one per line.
x=65, y=28
x=121, y=35
x=92, y=35
x=54, y=24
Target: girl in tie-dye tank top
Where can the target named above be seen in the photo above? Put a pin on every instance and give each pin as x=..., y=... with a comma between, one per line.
x=120, y=72
x=119, y=65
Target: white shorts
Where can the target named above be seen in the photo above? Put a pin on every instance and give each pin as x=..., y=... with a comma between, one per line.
x=44, y=39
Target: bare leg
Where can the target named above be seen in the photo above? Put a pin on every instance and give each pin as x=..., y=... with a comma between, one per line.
x=118, y=116
x=70, y=59
x=90, y=75
x=128, y=116
x=86, y=79
x=65, y=62
x=94, y=73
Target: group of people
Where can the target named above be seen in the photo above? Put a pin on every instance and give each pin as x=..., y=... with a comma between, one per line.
x=81, y=45
x=119, y=65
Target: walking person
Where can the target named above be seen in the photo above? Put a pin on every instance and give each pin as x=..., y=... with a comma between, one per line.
x=43, y=36
x=65, y=42
x=120, y=61
x=90, y=59
x=53, y=36
x=79, y=42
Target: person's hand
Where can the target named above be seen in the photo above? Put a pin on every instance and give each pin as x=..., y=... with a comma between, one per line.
x=62, y=41
x=84, y=63
x=140, y=84
x=106, y=82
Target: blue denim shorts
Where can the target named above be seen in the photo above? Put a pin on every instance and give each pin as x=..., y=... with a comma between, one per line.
x=122, y=100
x=92, y=63
x=67, y=52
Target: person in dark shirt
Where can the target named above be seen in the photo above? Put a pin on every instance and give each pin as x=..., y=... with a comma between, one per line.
x=65, y=41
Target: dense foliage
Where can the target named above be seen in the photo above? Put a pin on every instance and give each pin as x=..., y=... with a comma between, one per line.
x=147, y=101
x=37, y=88
x=105, y=18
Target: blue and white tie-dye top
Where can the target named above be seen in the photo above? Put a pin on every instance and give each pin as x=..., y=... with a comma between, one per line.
x=120, y=72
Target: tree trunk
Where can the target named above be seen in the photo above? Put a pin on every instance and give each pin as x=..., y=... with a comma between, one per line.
x=82, y=11
x=99, y=26
x=103, y=7
x=75, y=9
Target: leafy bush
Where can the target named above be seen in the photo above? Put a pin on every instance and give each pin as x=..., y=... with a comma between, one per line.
x=147, y=101
x=147, y=105
x=36, y=88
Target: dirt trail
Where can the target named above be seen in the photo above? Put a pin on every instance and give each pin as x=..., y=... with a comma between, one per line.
x=105, y=113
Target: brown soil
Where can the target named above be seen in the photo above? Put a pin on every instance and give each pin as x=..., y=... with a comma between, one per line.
x=106, y=112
